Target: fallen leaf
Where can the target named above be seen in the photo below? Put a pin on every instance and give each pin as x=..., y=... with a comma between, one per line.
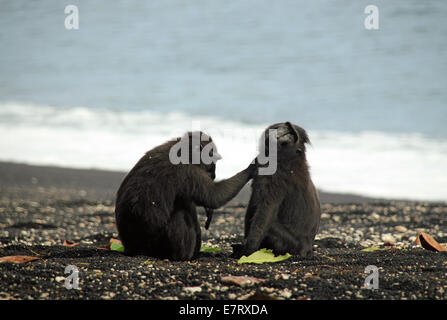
x=371, y=249
x=241, y=281
x=210, y=249
x=427, y=242
x=262, y=256
x=117, y=246
x=18, y=259
x=69, y=243
x=111, y=241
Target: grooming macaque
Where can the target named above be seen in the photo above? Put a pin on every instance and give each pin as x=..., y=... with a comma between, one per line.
x=156, y=202
x=284, y=210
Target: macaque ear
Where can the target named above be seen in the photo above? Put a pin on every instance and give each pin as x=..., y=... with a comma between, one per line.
x=303, y=135
x=293, y=131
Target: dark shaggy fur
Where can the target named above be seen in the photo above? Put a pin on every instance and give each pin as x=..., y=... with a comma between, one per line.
x=155, y=205
x=284, y=210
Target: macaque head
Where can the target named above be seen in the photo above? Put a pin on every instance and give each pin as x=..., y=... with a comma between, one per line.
x=281, y=142
x=196, y=148
x=290, y=139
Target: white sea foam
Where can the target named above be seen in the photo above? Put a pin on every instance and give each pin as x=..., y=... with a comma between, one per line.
x=369, y=163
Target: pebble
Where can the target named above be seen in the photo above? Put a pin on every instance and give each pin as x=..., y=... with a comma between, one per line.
x=286, y=293
x=387, y=237
x=401, y=229
x=374, y=216
x=192, y=289
x=232, y=296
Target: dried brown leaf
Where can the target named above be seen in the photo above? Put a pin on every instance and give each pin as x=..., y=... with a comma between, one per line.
x=112, y=240
x=427, y=242
x=107, y=246
x=69, y=243
x=18, y=259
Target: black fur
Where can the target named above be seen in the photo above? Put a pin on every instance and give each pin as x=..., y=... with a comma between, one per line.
x=284, y=210
x=156, y=203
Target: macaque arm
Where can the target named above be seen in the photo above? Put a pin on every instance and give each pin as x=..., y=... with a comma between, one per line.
x=205, y=192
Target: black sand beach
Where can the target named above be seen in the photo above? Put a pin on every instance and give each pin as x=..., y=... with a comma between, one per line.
x=41, y=207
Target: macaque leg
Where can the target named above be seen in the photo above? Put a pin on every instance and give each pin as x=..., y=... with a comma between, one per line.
x=183, y=239
x=282, y=241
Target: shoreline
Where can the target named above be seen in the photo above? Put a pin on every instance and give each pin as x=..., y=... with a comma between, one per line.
x=102, y=184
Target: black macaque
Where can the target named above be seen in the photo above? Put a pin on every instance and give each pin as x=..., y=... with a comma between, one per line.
x=156, y=202
x=283, y=213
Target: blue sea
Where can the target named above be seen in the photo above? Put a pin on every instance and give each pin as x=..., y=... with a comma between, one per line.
x=137, y=73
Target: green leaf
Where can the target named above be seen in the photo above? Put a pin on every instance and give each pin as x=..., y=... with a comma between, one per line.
x=115, y=246
x=210, y=249
x=372, y=249
x=263, y=256
x=327, y=257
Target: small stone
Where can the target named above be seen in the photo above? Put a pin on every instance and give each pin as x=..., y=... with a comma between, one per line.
x=192, y=289
x=374, y=216
x=286, y=293
x=400, y=229
x=386, y=237
x=285, y=276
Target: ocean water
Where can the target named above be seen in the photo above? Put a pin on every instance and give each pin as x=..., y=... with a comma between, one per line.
x=136, y=74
